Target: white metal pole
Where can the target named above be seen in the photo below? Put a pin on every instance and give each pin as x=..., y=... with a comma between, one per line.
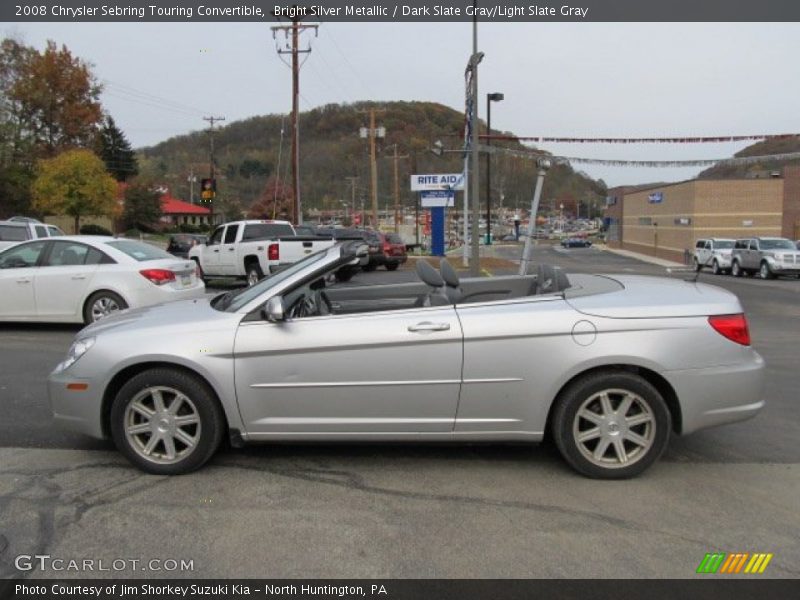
x=526, y=253
x=465, y=259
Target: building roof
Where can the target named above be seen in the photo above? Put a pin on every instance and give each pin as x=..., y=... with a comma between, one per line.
x=173, y=206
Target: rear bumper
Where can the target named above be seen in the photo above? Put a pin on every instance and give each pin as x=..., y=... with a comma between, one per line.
x=719, y=395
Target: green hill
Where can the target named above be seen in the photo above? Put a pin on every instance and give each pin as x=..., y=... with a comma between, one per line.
x=761, y=168
x=249, y=154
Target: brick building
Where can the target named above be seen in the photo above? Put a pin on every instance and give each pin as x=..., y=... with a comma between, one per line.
x=665, y=220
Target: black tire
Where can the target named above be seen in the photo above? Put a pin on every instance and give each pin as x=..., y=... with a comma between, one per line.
x=715, y=267
x=208, y=433
x=200, y=271
x=392, y=266
x=765, y=272
x=253, y=273
x=736, y=270
x=370, y=267
x=696, y=264
x=581, y=395
x=91, y=307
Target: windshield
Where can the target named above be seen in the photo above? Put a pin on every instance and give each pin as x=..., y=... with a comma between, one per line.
x=777, y=245
x=723, y=245
x=239, y=298
x=138, y=250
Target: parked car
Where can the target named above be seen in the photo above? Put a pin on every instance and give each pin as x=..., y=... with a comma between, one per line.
x=19, y=229
x=250, y=250
x=180, y=243
x=607, y=366
x=575, y=242
x=307, y=230
x=349, y=234
x=385, y=249
x=715, y=253
x=74, y=279
x=767, y=256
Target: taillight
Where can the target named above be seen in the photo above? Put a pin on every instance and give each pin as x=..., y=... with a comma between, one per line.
x=387, y=247
x=273, y=252
x=158, y=276
x=733, y=327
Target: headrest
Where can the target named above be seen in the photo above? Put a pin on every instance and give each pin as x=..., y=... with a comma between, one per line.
x=428, y=274
x=448, y=273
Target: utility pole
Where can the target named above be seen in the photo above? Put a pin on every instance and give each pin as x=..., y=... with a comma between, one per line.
x=474, y=263
x=397, y=158
x=211, y=169
x=373, y=133
x=353, y=181
x=293, y=31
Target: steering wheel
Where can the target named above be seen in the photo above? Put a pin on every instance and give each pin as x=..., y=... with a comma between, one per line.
x=304, y=306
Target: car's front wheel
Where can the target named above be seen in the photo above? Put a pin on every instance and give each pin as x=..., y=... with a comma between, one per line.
x=166, y=421
x=611, y=425
x=765, y=272
x=102, y=304
x=715, y=267
x=736, y=270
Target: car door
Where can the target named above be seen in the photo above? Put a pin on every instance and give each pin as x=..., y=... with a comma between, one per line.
x=18, y=267
x=380, y=372
x=228, y=261
x=62, y=280
x=752, y=261
x=210, y=254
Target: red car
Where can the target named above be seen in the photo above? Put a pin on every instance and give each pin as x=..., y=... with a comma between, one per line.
x=392, y=252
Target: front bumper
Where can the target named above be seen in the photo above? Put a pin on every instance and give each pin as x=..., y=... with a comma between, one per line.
x=76, y=410
x=784, y=268
x=719, y=395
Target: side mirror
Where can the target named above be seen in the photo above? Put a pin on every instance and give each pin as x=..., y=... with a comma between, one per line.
x=273, y=311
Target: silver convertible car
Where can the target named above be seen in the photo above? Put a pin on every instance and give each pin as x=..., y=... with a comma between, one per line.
x=606, y=366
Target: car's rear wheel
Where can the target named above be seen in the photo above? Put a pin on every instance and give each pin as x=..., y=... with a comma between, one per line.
x=392, y=266
x=254, y=273
x=611, y=425
x=765, y=272
x=736, y=270
x=166, y=421
x=102, y=304
x=370, y=267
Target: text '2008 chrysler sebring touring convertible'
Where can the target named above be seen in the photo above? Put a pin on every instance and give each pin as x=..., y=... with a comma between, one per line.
x=608, y=366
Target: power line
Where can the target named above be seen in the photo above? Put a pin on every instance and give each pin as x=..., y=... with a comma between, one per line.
x=643, y=140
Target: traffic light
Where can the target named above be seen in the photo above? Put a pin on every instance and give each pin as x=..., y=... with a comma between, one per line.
x=208, y=189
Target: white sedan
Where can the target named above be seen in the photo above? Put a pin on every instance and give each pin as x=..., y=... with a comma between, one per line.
x=76, y=279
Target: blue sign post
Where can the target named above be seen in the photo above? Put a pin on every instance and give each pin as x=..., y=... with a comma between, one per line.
x=437, y=201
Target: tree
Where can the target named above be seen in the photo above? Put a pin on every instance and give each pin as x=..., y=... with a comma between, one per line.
x=142, y=207
x=74, y=183
x=275, y=202
x=115, y=150
x=58, y=100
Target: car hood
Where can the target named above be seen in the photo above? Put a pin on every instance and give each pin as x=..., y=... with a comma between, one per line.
x=172, y=316
x=642, y=297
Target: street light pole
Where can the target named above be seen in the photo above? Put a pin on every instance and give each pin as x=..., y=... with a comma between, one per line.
x=544, y=165
x=495, y=97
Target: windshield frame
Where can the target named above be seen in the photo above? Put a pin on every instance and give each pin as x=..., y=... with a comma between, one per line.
x=246, y=300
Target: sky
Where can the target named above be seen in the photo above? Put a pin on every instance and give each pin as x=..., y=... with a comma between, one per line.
x=559, y=79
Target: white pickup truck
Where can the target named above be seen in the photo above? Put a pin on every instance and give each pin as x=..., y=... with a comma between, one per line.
x=15, y=231
x=252, y=249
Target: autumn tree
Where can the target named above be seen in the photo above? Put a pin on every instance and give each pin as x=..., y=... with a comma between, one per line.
x=113, y=147
x=142, y=206
x=275, y=202
x=58, y=100
x=74, y=183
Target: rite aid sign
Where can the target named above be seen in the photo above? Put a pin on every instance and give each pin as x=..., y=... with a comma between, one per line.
x=442, y=181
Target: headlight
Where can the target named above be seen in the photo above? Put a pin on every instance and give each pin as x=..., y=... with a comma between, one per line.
x=78, y=349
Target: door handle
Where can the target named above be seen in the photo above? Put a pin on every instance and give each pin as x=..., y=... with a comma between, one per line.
x=428, y=326
x=217, y=250
x=79, y=277
x=23, y=280
x=231, y=249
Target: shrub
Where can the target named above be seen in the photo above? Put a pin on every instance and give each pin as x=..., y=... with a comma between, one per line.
x=94, y=229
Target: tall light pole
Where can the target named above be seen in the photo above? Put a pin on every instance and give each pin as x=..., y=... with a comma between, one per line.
x=544, y=166
x=495, y=97
x=474, y=262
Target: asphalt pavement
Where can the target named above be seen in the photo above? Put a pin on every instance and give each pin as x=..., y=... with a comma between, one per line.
x=410, y=510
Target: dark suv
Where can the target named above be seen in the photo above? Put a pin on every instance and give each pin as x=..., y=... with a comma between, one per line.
x=181, y=243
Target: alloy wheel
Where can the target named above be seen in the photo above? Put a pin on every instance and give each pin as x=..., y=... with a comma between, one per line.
x=614, y=428
x=162, y=425
x=103, y=307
